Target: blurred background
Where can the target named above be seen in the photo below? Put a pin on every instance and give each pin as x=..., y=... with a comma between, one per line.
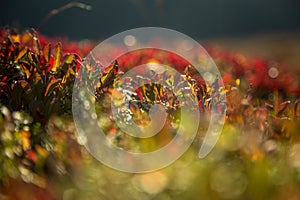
x=268, y=28
x=198, y=19
x=243, y=165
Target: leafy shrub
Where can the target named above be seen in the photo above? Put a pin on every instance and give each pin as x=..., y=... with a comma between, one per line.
x=38, y=144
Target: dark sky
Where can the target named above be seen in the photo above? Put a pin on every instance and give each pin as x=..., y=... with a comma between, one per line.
x=196, y=18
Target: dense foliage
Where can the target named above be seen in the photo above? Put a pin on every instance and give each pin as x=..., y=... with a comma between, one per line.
x=255, y=158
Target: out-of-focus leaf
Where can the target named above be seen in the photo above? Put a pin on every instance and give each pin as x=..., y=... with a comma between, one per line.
x=36, y=42
x=296, y=111
x=278, y=109
x=26, y=37
x=25, y=140
x=283, y=106
x=269, y=106
x=47, y=52
x=57, y=57
x=41, y=151
x=169, y=79
x=15, y=38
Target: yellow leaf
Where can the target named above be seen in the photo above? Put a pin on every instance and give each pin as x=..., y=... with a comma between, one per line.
x=25, y=140
x=69, y=72
x=237, y=82
x=69, y=59
x=36, y=43
x=51, y=85
x=57, y=57
x=37, y=78
x=21, y=54
x=41, y=151
x=25, y=144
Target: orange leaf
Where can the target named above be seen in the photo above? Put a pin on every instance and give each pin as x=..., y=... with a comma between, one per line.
x=26, y=37
x=21, y=54
x=15, y=38
x=27, y=72
x=47, y=52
